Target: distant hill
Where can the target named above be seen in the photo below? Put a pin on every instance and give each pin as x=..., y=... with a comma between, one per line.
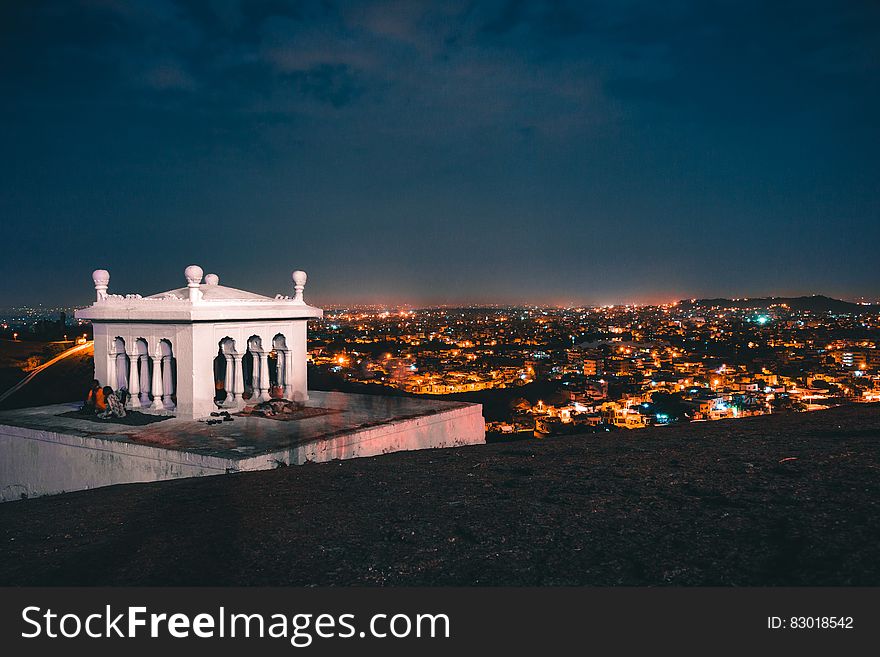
x=817, y=303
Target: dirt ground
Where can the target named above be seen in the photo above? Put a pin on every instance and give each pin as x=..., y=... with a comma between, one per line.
x=779, y=500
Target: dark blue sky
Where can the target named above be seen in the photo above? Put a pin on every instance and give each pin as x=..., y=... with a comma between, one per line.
x=441, y=152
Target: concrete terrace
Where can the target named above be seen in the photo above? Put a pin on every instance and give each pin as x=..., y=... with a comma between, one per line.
x=44, y=452
x=245, y=436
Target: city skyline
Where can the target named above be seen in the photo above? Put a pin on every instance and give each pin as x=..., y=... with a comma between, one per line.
x=332, y=304
x=442, y=153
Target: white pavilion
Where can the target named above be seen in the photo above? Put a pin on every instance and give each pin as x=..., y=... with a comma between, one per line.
x=188, y=352
x=192, y=350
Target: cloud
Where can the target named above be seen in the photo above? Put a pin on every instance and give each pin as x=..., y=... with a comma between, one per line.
x=290, y=45
x=331, y=84
x=546, y=19
x=169, y=77
x=559, y=67
x=422, y=24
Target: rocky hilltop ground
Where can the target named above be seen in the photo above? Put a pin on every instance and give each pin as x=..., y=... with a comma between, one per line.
x=773, y=500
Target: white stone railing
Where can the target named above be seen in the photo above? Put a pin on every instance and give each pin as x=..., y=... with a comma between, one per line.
x=193, y=274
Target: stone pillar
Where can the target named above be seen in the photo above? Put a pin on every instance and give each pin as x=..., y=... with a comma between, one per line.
x=228, y=379
x=167, y=382
x=111, y=371
x=196, y=382
x=280, y=364
x=134, y=381
x=157, y=383
x=237, y=379
x=102, y=350
x=255, y=374
x=145, y=380
x=264, y=375
x=298, y=370
x=288, y=374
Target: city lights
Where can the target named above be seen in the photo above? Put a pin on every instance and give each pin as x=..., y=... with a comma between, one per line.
x=609, y=365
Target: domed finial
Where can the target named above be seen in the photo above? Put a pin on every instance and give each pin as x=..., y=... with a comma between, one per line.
x=299, y=282
x=212, y=279
x=194, y=275
x=101, y=278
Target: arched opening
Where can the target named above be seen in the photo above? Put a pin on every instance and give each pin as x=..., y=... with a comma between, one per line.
x=258, y=368
x=279, y=366
x=120, y=365
x=220, y=370
x=247, y=367
x=169, y=374
x=272, y=361
x=138, y=380
x=145, y=372
x=225, y=378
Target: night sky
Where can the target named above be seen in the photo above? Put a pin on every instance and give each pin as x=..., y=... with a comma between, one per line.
x=441, y=152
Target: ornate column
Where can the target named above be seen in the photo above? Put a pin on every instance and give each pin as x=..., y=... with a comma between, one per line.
x=134, y=381
x=264, y=375
x=255, y=374
x=280, y=362
x=157, y=383
x=238, y=379
x=167, y=382
x=228, y=381
x=145, y=380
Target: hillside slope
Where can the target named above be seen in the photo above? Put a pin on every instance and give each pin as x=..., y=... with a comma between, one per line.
x=778, y=500
x=818, y=303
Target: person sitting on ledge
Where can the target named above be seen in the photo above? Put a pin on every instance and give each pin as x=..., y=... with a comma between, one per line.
x=114, y=406
x=94, y=402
